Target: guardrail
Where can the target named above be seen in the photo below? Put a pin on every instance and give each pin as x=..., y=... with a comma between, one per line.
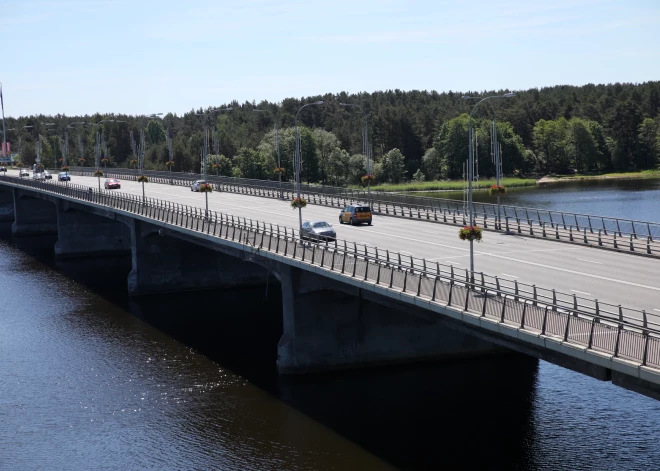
x=581, y=229
x=622, y=333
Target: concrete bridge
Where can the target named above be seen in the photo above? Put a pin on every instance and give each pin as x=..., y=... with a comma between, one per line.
x=344, y=304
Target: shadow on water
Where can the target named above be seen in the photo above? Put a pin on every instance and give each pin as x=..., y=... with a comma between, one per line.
x=463, y=414
x=424, y=416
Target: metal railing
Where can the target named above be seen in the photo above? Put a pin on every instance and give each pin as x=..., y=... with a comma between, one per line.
x=624, y=333
x=594, y=231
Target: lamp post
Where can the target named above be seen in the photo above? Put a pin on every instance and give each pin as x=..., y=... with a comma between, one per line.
x=205, y=152
x=471, y=171
x=365, y=146
x=277, y=148
x=4, y=127
x=298, y=161
x=97, y=148
x=141, y=148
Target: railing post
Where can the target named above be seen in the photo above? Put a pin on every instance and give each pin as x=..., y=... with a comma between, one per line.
x=575, y=306
x=615, y=244
x=534, y=303
x=522, y=317
x=467, y=298
x=632, y=247
x=516, y=292
x=451, y=290
x=644, y=319
x=435, y=285
x=616, y=343
x=648, y=244
x=554, y=300
x=620, y=313
x=503, y=308
x=600, y=240
x=545, y=320
x=591, y=333
x=568, y=323
x=354, y=265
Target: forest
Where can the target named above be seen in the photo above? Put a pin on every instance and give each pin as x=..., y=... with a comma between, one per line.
x=414, y=135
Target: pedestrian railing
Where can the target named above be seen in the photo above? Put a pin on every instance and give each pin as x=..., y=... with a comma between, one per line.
x=596, y=231
x=628, y=334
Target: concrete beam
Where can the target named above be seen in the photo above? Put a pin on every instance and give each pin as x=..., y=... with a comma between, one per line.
x=83, y=233
x=33, y=215
x=165, y=263
x=327, y=327
x=6, y=209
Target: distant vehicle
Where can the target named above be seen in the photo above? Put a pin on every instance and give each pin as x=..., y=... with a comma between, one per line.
x=111, y=183
x=317, y=230
x=196, y=184
x=355, y=215
x=37, y=176
x=23, y=173
x=63, y=177
x=47, y=175
x=3, y=169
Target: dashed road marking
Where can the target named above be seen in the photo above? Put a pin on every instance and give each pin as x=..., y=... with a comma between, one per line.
x=581, y=292
x=588, y=261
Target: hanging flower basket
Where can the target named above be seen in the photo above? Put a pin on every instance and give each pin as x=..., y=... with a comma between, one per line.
x=61, y=161
x=40, y=167
x=98, y=173
x=65, y=168
x=368, y=179
x=105, y=160
x=169, y=163
x=81, y=161
x=496, y=190
x=142, y=179
x=132, y=162
x=205, y=188
x=470, y=233
x=279, y=171
x=19, y=164
x=298, y=203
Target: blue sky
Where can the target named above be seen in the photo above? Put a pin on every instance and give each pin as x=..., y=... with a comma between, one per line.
x=143, y=56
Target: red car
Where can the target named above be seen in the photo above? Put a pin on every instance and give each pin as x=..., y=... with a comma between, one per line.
x=111, y=183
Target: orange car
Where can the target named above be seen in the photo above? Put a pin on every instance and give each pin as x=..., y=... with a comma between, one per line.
x=355, y=215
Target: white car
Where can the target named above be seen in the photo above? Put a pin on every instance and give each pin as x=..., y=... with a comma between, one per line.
x=47, y=175
x=23, y=173
x=196, y=184
x=37, y=176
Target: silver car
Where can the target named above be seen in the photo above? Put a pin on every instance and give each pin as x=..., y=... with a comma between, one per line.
x=317, y=230
x=37, y=176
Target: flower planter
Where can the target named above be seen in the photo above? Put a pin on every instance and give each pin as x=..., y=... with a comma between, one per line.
x=98, y=173
x=81, y=162
x=65, y=168
x=169, y=164
x=205, y=188
x=470, y=233
x=368, y=179
x=298, y=203
x=278, y=171
x=496, y=190
x=142, y=179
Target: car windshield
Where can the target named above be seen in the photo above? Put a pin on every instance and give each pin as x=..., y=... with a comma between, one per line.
x=362, y=209
x=318, y=225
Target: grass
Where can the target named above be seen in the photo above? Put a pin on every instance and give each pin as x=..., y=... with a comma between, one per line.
x=451, y=185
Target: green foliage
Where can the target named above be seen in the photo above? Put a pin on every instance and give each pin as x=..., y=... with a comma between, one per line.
x=431, y=164
x=155, y=134
x=419, y=176
x=220, y=165
x=393, y=166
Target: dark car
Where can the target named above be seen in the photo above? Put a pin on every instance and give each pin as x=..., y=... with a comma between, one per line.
x=47, y=175
x=63, y=177
x=317, y=230
x=355, y=215
x=3, y=169
x=111, y=183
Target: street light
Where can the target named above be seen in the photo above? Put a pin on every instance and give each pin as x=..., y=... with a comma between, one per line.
x=471, y=170
x=205, y=152
x=277, y=147
x=4, y=130
x=298, y=161
x=365, y=145
x=97, y=148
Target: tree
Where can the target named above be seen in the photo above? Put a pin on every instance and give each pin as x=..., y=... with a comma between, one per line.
x=582, y=148
x=649, y=143
x=419, y=176
x=394, y=166
x=326, y=142
x=220, y=164
x=431, y=164
x=155, y=134
x=253, y=164
x=338, y=167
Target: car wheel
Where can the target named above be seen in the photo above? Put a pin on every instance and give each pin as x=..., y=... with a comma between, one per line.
x=369, y=223
x=351, y=222
x=191, y=189
x=341, y=221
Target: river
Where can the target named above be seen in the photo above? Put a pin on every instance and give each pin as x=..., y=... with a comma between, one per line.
x=94, y=380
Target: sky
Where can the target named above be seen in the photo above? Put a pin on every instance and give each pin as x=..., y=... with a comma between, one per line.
x=78, y=57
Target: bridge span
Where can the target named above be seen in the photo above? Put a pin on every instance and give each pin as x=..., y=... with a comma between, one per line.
x=341, y=307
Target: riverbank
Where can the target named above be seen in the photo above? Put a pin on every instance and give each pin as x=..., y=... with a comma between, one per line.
x=450, y=185
x=604, y=176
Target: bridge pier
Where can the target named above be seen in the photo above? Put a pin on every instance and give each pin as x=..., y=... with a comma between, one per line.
x=6, y=210
x=329, y=325
x=163, y=261
x=33, y=215
x=82, y=233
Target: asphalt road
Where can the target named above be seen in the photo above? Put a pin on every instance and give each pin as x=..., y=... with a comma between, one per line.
x=611, y=277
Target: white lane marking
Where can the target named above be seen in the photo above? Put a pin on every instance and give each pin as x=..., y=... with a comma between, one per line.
x=510, y=276
x=657, y=310
x=405, y=251
x=450, y=262
x=581, y=292
x=589, y=261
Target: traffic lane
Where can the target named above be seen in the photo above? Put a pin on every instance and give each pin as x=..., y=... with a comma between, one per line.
x=390, y=233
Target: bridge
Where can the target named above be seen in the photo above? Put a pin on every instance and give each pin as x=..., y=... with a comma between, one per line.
x=395, y=291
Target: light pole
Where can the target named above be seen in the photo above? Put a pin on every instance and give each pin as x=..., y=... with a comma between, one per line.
x=4, y=127
x=97, y=148
x=277, y=147
x=141, y=155
x=205, y=152
x=298, y=162
x=365, y=146
x=471, y=171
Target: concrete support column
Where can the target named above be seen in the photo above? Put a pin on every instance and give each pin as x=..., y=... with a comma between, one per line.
x=163, y=262
x=83, y=233
x=6, y=209
x=33, y=215
x=330, y=325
